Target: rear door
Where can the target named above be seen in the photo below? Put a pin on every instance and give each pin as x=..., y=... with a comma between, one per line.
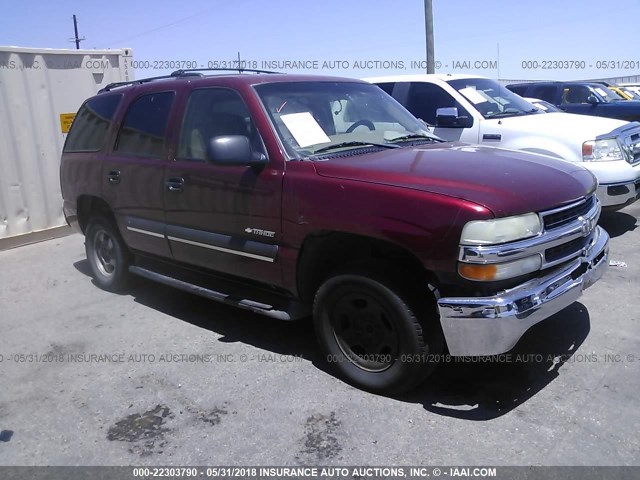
x=223, y=218
x=548, y=93
x=132, y=175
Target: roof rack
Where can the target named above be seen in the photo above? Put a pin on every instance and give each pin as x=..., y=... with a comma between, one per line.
x=239, y=70
x=191, y=72
x=175, y=74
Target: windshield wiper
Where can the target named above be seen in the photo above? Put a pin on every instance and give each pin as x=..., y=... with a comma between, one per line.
x=509, y=114
x=355, y=144
x=415, y=136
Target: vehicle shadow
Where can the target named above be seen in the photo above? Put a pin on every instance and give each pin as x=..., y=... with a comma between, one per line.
x=484, y=388
x=618, y=223
x=471, y=389
x=234, y=324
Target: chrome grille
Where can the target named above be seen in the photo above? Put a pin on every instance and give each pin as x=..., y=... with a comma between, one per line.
x=631, y=145
x=568, y=231
x=562, y=216
x=566, y=249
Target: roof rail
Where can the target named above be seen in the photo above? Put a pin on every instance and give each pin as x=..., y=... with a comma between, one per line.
x=176, y=74
x=239, y=70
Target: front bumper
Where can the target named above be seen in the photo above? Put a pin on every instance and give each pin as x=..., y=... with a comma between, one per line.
x=493, y=325
x=618, y=195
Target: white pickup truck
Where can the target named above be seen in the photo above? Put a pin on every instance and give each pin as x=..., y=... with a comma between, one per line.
x=479, y=110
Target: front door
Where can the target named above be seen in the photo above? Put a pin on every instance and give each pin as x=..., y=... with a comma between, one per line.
x=224, y=218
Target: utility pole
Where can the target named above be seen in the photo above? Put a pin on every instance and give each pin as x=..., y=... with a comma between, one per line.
x=428, y=22
x=75, y=29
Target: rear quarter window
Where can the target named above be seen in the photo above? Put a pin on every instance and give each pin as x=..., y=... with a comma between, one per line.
x=90, y=127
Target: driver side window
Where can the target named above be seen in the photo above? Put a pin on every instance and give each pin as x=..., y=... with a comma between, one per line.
x=213, y=112
x=576, y=94
x=425, y=98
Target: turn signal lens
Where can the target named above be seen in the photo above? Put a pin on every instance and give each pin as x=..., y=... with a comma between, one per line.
x=500, y=271
x=478, y=272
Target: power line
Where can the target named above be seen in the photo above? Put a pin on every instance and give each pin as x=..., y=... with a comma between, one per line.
x=146, y=32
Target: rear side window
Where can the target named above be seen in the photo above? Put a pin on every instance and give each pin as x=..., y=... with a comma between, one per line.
x=544, y=92
x=387, y=86
x=518, y=89
x=91, y=125
x=144, y=126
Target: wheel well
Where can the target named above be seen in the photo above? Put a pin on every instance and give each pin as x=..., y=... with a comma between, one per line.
x=324, y=253
x=88, y=205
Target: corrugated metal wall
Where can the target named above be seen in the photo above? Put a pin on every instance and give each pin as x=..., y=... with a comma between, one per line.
x=37, y=86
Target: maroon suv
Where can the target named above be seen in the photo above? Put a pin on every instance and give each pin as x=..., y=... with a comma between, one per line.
x=293, y=195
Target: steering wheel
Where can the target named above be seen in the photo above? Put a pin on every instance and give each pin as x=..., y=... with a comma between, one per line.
x=367, y=123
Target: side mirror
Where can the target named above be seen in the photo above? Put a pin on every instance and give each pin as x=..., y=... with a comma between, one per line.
x=592, y=99
x=233, y=150
x=448, y=117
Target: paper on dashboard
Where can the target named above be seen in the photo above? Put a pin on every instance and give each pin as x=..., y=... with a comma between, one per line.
x=305, y=129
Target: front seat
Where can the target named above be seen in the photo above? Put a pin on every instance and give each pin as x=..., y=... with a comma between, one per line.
x=216, y=124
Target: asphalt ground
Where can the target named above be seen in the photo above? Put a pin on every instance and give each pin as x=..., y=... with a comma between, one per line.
x=156, y=376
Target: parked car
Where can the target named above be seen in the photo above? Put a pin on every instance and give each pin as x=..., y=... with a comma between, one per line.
x=542, y=105
x=623, y=92
x=628, y=93
x=293, y=195
x=474, y=109
x=634, y=87
x=583, y=98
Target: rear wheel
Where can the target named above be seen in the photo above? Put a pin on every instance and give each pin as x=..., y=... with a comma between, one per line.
x=372, y=337
x=107, y=254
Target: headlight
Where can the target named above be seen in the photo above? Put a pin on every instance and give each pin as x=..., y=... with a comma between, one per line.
x=500, y=271
x=601, y=151
x=501, y=230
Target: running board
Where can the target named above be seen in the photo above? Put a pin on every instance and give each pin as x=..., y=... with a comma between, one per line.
x=291, y=311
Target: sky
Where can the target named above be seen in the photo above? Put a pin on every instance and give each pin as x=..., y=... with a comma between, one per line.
x=508, y=39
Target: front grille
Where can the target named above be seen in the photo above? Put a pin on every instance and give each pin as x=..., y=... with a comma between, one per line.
x=565, y=250
x=632, y=144
x=567, y=215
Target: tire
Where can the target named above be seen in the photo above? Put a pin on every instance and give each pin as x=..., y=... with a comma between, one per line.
x=107, y=254
x=370, y=335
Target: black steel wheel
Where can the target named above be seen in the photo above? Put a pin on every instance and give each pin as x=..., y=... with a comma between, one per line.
x=371, y=336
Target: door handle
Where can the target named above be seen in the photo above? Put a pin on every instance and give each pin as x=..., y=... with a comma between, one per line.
x=175, y=184
x=114, y=176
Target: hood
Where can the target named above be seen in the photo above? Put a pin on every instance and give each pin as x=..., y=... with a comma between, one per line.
x=559, y=124
x=507, y=182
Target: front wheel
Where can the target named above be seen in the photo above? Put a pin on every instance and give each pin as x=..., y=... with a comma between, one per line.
x=372, y=337
x=107, y=254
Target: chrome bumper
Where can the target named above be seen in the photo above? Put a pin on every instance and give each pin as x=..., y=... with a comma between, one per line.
x=618, y=194
x=493, y=325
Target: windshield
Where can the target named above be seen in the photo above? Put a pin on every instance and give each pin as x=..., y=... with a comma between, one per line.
x=328, y=117
x=491, y=99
